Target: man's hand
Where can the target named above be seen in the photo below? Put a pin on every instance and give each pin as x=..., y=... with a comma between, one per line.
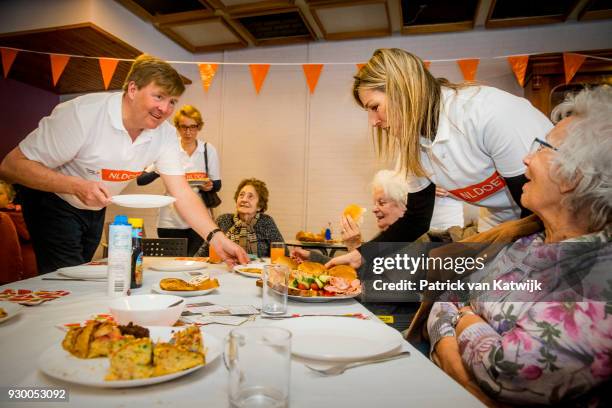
x=353, y=259
x=91, y=193
x=351, y=234
x=299, y=255
x=206, y=186
x=229, y=252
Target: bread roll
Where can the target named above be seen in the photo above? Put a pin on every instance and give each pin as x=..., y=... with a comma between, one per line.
x=285, y=260
x=343, y=271
x=312, y=268
x=354, y=211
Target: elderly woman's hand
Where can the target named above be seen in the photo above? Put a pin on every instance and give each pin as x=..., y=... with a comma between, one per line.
x=351, y=234
x=299, y=255
x=353, y=259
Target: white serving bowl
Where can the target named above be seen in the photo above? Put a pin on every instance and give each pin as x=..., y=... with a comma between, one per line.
x=147, y=310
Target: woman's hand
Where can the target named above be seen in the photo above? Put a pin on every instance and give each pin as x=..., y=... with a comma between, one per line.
x=440, y=192
x=352, y=259
x=299, y=255
x=229, y=252
x=351, y=233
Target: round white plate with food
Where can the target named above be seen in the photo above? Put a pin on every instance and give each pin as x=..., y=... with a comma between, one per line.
x=184, y=293
x=252, y=270
x=142, y=200
x=58, y=363
x=340, y=338
x=176, y=265
x=9, y=310
x=321, y=299
x=91, y=270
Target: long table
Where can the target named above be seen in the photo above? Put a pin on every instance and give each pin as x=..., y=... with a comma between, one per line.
x=412, y=381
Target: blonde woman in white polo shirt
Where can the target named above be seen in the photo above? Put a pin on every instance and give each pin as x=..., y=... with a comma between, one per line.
x=88, y=150
x=202, y=174
x=465, y=138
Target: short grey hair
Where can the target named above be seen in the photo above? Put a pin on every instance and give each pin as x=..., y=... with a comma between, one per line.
x=393, y=184
x=586, y=153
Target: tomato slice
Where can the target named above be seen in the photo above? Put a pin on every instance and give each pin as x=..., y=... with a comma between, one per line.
x=301, y=286
x=314, y=286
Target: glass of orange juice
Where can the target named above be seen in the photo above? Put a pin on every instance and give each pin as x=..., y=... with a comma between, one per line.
x=214, y=257
x=277, y=249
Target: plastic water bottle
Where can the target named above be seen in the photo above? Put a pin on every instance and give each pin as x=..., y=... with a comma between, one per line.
x=119, y=256
x=136, y=266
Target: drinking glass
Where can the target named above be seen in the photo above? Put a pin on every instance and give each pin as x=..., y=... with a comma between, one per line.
x=276, y=249
x=259, y=363
x=213, y=256
x=275, y=289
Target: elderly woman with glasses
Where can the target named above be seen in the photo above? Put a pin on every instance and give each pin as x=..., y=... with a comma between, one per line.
x=553, y=345
x=201, y=164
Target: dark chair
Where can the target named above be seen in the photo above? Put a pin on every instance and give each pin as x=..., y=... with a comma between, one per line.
x=164, y=246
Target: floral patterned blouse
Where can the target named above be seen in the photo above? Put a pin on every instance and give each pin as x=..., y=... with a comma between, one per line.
x=538, y=352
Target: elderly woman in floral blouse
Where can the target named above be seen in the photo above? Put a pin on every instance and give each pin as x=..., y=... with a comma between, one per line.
x=538, y=350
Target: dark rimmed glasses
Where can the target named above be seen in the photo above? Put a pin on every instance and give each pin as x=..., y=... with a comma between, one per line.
x=192, y=128
x=538, y=144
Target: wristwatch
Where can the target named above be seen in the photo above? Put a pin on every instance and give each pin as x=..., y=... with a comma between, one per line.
x=212, y=233
x=458, y=316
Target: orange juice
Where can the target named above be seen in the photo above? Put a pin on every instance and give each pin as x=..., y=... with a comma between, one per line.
x=214, y=257
x=276, y=249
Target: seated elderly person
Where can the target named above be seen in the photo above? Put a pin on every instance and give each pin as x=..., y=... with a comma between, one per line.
x=249, y=227
x=544, y=349
x=389, y=192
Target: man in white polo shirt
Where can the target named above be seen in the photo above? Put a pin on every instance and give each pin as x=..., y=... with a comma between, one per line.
x=88, y=150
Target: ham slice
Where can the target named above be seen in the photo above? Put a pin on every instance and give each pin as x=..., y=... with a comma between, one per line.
x=341, y=286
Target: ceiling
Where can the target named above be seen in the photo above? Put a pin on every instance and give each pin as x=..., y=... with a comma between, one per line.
x=213, y=25
x=81, y=74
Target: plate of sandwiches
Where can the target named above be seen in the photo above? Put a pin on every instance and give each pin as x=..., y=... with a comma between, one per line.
x=312, y=282
x=106, y=355
x=197, y=286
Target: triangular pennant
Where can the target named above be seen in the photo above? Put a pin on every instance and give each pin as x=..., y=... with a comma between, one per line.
x=468, y=68
x=258, y=74
x=58, y=63
x=427, y=64
x=359, y=66
x=207, y=73
x=571, y=64
x=312, y=73
x=107, y=66
x=8, y=57
x=518, y=63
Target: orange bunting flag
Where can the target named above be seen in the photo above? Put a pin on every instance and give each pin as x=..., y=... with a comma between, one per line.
x=359, y=66
x=518, y=63
x=258, y=74
x=312, y=73
x=107, y=66
x=207, y=73
x=427, y=64
x=468, y=68
x=58, y=63
x=571, y=64
x=8, y=57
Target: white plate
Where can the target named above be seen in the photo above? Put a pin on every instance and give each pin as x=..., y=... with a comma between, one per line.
x=58, y=363
x=142, y=200
x=340, y=338
x=241, y=270
x=85, y=271
x=183, y=293
x=175, y=265
x=11, y=309
x=320, y=299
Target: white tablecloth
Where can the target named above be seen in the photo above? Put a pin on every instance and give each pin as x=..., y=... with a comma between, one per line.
x=413, y=381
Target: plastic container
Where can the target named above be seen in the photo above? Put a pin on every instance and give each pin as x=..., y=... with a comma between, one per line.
x=119, y=256
x=136, y=265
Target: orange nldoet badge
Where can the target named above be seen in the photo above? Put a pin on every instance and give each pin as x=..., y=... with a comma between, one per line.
x=119, y=175
x=196, y=176
x=480, y=191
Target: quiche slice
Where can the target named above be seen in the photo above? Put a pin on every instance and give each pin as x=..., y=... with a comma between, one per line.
x=170, y=358
x=131, y=361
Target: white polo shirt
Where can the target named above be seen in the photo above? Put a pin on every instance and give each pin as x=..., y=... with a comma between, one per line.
x=483, y=135
x=85, y=137
x=195, y=171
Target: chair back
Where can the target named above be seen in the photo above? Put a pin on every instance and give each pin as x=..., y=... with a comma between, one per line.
x=164, y=246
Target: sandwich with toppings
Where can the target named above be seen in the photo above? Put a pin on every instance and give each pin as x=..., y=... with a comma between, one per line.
x=313, y=279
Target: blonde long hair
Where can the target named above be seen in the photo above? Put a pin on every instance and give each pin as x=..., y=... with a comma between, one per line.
x=413, y=103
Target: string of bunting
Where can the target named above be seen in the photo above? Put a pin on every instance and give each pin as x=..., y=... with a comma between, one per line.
x=468, y=67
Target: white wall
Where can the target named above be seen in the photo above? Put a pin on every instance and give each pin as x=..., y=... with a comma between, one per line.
x=314, y=151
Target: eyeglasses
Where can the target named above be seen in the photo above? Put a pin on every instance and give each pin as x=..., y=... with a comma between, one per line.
x=538, y=144
x=185, y=128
